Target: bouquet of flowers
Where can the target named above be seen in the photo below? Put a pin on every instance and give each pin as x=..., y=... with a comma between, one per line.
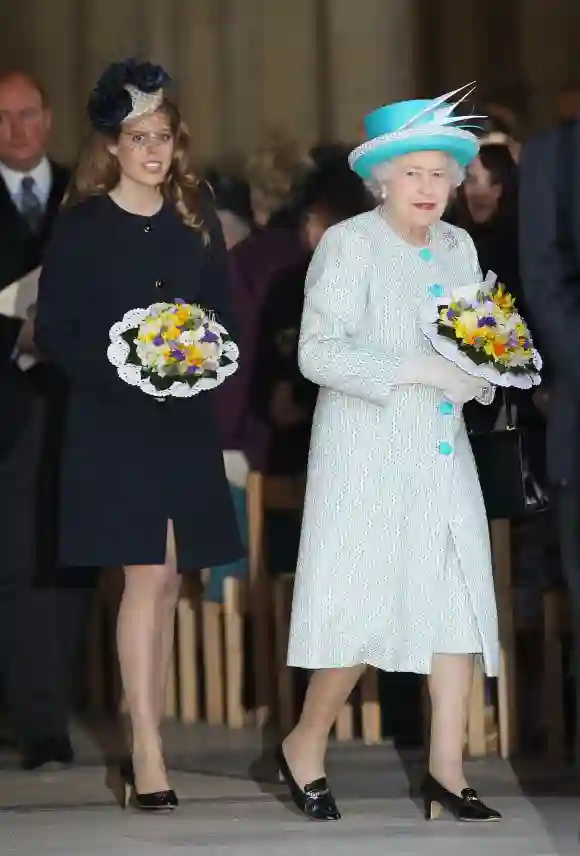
x=479, y=328
x=172, y=349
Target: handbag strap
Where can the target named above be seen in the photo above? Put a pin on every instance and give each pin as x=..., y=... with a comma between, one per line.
x=510, y=409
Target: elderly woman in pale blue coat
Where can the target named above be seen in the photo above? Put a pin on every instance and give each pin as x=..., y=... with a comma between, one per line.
x=394, y=568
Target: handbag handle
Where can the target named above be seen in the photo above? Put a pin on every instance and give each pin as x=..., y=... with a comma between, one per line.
x=510, y=410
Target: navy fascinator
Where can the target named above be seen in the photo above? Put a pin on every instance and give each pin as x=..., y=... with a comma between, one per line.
x=126, y=90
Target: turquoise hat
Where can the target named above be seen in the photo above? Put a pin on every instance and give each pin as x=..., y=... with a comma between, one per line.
x=416, y=126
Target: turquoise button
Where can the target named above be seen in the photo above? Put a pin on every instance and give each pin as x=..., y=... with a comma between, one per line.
x=436, y=290
x=445, y=448
x=446, y=408
x=425, y=254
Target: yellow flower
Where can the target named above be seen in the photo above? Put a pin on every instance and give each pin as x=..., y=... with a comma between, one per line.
x=503, y=299
x=182, y=314
x=466, y=327
x=171, y=333
x=193, y=355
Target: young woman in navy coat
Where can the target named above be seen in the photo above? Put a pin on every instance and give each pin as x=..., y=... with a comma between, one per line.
x=143, y=484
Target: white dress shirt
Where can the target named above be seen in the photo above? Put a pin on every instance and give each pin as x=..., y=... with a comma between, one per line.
x=42, y=175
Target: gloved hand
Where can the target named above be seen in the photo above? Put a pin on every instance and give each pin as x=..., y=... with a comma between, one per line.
x=434, y=370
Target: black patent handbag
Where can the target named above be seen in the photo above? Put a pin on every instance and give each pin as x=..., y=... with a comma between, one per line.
x=508, y=485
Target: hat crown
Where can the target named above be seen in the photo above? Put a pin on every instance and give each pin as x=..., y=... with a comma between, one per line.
x=392, y=117
x=417, y=125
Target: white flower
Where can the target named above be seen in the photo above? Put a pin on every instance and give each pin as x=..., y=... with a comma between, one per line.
x=188, y=337
x=158, y=308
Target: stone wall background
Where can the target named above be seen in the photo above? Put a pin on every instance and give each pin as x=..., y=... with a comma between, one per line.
x=310, y=68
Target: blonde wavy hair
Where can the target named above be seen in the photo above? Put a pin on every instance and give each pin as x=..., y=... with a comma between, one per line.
x=97, y=172
x=274, y=171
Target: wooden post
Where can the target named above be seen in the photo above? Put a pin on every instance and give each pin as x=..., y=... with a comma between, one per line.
x=285, y=676
x=213, y=662
x=553, y=678
x=171, y=688
x=234, y=652
x=259, y=600
x=187, y=662
x=371, y=707
x=507, y=708
x=344, y=726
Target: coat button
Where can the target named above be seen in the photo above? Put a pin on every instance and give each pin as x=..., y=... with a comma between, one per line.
x=445, y=407
x=147, y=228
x=436, y=290
x=159, y=283
x=445, y=448
x=425, y=254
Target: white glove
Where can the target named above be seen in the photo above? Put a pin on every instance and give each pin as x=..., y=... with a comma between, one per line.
x=434, y=370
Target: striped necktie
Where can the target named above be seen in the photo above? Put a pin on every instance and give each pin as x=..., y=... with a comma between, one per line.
x=30, y=205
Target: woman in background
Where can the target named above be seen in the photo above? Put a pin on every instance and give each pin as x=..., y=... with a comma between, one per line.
x=282, y=396
x=486, y=207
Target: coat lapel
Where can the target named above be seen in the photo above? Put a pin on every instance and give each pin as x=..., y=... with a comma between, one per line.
x=9, y=214
x=10, y=217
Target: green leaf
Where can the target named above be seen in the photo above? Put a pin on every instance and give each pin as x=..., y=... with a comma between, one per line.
x=160, y=382
x=447, y=333
x=129, y=337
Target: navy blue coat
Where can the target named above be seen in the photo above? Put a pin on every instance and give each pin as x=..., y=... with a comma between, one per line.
x=130, y=462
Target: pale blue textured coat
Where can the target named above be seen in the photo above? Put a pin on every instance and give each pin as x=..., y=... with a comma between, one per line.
x=394, y=561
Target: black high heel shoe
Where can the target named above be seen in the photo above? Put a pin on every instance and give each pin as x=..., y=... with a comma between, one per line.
x=467, y=808
x=156, y=801
x=315, y=801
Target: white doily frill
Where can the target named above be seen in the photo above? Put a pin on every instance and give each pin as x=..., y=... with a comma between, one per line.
x=118, y=353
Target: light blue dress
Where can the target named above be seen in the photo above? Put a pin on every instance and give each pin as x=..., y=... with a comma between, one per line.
x=394, y=560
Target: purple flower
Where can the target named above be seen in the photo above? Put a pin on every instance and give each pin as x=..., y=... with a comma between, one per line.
x=158, y=340
x=193, y=370
x=487, y=321
x=178, y=300
x=451, y=314
x=209, y=337
x=177, y=354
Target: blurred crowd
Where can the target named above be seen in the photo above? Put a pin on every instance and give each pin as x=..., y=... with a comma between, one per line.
x=274, y=209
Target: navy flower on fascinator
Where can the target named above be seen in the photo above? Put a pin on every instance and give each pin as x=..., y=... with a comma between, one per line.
x=126, y=90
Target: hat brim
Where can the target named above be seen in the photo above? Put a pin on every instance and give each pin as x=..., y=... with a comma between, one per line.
x=460, y=149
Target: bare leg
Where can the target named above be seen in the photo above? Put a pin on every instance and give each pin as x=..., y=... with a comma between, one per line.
x=449, y=686
x=305, y=746
x=147, y=589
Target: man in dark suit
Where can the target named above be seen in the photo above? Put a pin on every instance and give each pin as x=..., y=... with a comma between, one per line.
x=550, y=269
x=32, y=646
